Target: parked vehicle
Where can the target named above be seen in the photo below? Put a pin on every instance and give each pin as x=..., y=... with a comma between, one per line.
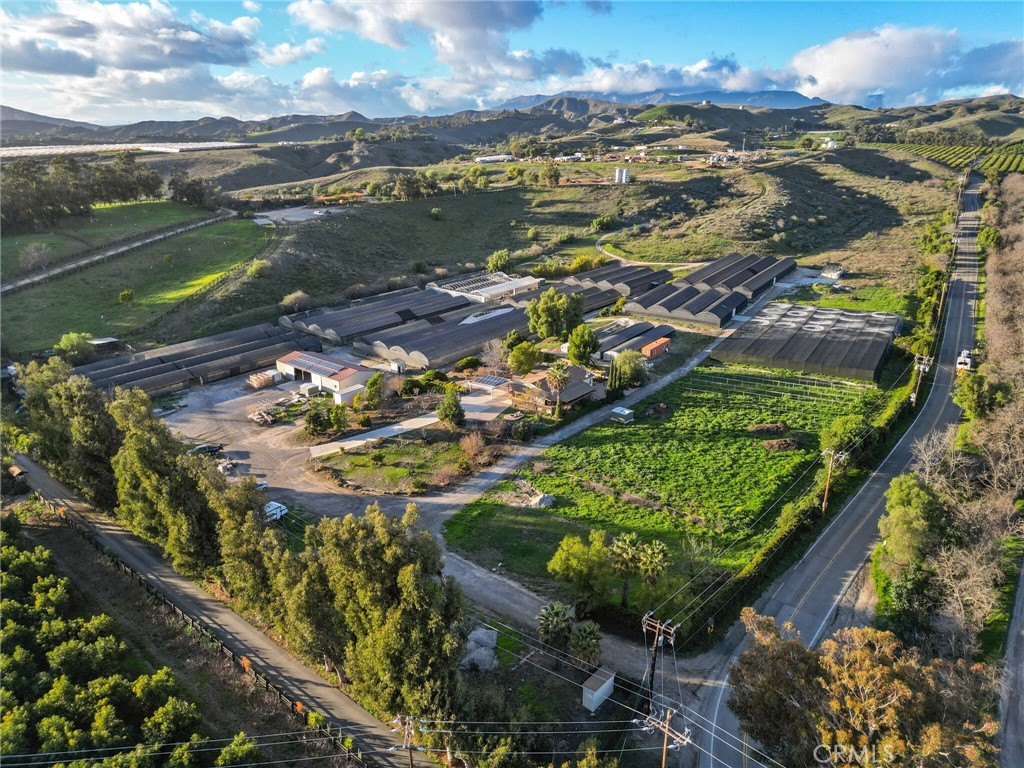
x=274, y=510
x=965, y=362
x=207, y=448
x=262, y=485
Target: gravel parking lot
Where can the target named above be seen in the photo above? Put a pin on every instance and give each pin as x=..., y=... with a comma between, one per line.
x=218, y=413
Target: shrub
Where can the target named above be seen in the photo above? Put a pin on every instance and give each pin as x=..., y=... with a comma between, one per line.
x=474, y=446
x=532, y=234
x=258, y=268
x=522, y=430
x=435, y=214
x=411, y=386
x=296, y=301
x=364, y=420
x=127, y=296
x=467, y=364
x=499, y=261
x=603, y=223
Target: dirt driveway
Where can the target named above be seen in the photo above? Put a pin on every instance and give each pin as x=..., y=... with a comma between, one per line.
x=218, y=413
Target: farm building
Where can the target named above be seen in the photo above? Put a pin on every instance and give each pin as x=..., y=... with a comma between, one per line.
x=635, y=336
x=198, y=361
x=485, y=286
x=444, y=339
x=822, y=340
x=342, y=325
x=713, y=294
x=625, y=279
x=593, y=298
x=533, y=393
x=324, y=373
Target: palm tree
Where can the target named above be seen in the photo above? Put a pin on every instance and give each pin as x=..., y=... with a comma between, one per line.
x=653, y=561
x=625, y=560
x=585, y=644
x=554, y=624
x=558, y=379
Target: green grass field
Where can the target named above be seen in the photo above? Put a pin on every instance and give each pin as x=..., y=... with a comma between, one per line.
x=107, y=224
x=690, y=469
x=375, y=247
x=159, y=275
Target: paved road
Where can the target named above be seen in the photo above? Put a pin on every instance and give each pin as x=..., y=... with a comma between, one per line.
x=809, y=593
x=371, y=736
x=1012, y=705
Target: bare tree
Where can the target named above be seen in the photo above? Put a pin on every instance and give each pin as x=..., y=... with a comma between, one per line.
x=493, y=356
x=35, y=256
x=968, y=579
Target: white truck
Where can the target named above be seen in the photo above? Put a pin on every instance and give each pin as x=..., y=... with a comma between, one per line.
x=965, y=363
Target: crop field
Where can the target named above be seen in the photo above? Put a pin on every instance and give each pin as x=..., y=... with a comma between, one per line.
x=160, y=276
x=108, y=224
x=1006, y=159
x=690, y=466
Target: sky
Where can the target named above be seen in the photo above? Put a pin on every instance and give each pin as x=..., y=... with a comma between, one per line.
x=119, y=62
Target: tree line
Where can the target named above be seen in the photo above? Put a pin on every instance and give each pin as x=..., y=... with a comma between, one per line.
x=362, y=597
x=39, y=193
x=66, y=686
x=364, y=594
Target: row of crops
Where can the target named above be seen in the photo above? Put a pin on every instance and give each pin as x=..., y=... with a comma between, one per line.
x=1006, y=159
x=955, y=157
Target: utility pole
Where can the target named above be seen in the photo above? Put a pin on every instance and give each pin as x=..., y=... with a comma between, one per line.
x=923, y=364
x=673, y=739
x=833, y=457
x=661, y=631
x=403, y=724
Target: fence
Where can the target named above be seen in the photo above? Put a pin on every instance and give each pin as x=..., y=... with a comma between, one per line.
x=108, y=253
x=316, y=722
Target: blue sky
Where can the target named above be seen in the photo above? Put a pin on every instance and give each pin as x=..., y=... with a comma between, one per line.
x=118, y=62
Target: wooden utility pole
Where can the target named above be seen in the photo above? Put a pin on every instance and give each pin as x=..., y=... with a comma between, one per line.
x=662, y=631
x=664, y=745
x=833, y=457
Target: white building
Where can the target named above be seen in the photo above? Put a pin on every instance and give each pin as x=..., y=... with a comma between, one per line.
x=325, y=374
x=495, y=159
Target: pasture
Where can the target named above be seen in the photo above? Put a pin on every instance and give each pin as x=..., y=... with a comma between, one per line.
x=108, y=225
x=159, y=276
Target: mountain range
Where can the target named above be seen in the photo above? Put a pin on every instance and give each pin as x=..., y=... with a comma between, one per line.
x=772, y=99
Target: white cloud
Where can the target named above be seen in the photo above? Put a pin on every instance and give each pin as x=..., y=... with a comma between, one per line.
x=471, y=38
x=286, y=53
x=252, y=6
x=131, y=36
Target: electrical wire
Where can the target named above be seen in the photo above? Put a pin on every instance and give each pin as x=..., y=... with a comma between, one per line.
x=631, y=688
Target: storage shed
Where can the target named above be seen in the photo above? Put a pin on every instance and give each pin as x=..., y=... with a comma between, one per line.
x=325, y=373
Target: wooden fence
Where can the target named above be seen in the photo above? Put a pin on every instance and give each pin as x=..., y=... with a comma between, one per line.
x=109, y=251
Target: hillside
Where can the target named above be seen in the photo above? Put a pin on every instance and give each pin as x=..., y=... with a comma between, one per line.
x=997, y=118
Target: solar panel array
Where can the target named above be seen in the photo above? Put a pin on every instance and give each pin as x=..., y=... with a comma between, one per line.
x=491, y=381
x=316, y=365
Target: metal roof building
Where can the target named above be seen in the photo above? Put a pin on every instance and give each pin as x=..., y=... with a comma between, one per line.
x=627, y=279
x=485, y=286
x=822, y=340
x=341, y=325
x=452, y=337
x=199, y=361
x=713, y=294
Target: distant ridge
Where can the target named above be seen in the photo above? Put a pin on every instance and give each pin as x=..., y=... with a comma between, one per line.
x=771, y=99
x=19, y=115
